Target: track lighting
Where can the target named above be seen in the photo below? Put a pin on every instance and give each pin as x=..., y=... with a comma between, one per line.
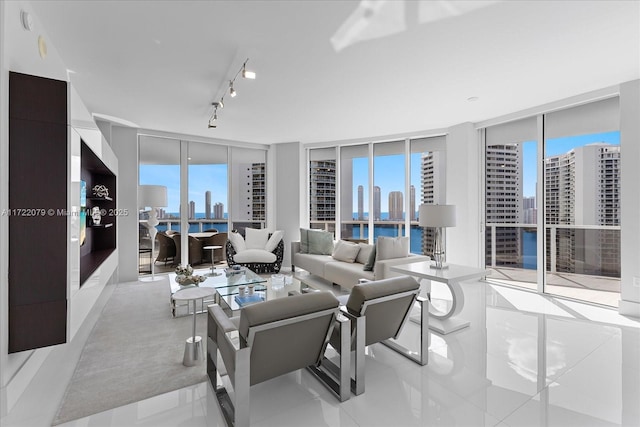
x=246, y=74
x=213, y=121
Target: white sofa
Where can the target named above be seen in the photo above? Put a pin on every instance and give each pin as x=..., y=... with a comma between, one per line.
x=343, y=273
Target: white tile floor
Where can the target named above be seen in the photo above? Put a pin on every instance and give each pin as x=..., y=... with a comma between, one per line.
x=526, y=360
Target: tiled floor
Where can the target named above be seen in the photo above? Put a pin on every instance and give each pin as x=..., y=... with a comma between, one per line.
x=526, y=360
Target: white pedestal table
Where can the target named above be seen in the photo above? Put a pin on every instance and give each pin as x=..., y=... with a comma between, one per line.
x=452, y=275
x=193, y=354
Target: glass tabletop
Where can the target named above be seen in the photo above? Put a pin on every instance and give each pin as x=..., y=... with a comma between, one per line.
x=225, y=284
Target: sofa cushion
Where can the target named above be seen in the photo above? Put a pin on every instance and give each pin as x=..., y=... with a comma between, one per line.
x=320, y=242
x=314, y=264
x=345, y=274
x=256, y=238
x=364, y=253
x=371, y=261
x=345, y=251
x=237, y=241
x=392, y=247
x=273, y=241
x=249, y=256
x=304, y=241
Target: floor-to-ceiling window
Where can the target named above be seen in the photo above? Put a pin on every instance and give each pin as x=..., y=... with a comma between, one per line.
x=208, y=195
x=511, y=179
x=552, y=202
x=159, y=164
x=389, y=189
x=208, y=187
x=427, y=186
x=322, y=189
x=354, y=193
x=582, y=202
x=248, y=188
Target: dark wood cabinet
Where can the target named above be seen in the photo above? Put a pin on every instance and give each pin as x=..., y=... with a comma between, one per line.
x=38, y=157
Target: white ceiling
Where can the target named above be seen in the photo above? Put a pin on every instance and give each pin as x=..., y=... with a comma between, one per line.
x=161, y=64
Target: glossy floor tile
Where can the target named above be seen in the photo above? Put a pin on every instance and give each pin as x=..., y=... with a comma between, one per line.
x=525, y=360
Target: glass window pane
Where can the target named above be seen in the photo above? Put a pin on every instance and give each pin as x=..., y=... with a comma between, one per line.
x=582, y=216
x=389, y=189
x=208, y=185
x=159, y=164
x=322, y=189
x=428, y=167
x=354, y=194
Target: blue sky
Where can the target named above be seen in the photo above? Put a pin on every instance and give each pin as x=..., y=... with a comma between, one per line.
x=554, y=147
x=202, y=178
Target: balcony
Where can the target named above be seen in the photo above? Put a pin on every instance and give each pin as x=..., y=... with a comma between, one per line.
x=583, y=262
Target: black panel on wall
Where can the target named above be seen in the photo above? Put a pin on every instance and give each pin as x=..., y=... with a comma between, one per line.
x=38, y=156
x=100, y=241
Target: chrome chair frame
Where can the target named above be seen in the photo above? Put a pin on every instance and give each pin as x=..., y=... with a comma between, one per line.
x=236, y=411
x=420, y=357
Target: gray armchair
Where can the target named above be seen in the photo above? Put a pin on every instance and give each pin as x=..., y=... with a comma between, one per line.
x=270, y=339
x=378, y=310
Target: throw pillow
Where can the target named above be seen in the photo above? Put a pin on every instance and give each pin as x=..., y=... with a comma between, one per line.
x=256, y=238
x=273, y=241
x=304, y=241
x=371, y=261
x=365, y=251
x=392, y=247
x=237, y=241
x=345, y=251
x=320, y=242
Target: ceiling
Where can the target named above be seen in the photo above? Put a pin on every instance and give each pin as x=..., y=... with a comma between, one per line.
x=408, y=66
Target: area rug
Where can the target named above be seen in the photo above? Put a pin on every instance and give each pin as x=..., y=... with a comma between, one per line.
x=134, y=352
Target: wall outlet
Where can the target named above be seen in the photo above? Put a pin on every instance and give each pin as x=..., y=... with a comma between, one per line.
x=636, y=281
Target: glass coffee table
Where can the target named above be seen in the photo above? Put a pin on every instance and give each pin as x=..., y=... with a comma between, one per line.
x=227, y=287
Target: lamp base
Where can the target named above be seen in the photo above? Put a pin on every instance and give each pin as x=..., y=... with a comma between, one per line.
x=438, y=267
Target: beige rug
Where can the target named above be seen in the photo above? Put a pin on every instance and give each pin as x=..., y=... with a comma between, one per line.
x=134, y=352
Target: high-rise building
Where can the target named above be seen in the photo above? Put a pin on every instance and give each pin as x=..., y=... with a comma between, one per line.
x=504, y=202
x=583, y=188
x=396, y=206
x=530, y=210
x=432, y=179
x=376, y=204
x=218, y=211
x=360, y=203
x=259, y=191
x=192, y=209
x=207, y=204
x=322, y=190
x=412, y=203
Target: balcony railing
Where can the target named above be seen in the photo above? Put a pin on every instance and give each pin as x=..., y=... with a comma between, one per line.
x=582, y=249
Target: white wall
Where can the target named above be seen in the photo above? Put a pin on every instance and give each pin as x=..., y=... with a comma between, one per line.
x=463, y=191
x=288, y=160
x=124, y=142
x=630, y=196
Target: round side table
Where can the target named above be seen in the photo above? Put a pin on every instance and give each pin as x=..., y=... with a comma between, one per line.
x=213, y=249
x=193, y=348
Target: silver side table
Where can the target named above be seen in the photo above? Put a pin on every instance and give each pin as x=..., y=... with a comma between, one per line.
x=193, y=354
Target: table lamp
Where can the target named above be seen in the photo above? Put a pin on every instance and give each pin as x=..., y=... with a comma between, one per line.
x=154, y=197
x=438, y=217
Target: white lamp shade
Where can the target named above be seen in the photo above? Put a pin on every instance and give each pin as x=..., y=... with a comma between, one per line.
x=437, y=216
x=152, y=196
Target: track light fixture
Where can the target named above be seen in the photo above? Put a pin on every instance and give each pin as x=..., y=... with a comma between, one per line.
x=232, y=91
x=246, y=74
x=213, y=121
